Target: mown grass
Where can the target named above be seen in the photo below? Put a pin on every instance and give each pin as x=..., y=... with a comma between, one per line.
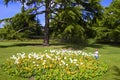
x=110, y=54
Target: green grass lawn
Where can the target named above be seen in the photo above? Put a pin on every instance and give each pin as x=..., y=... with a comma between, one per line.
x=110, y=54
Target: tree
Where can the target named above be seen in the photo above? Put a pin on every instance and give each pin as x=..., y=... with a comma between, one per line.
x=109, y=28
x=58, y=8
x=51, y=6
x=66, y=27
x=36, y=7
x=75, y=22
x=22, y=25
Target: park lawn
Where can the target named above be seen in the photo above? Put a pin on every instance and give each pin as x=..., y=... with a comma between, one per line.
x=108, y=53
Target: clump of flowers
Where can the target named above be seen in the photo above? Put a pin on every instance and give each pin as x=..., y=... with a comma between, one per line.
x=55, y=64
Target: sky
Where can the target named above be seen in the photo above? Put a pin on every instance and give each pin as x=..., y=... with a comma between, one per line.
x=14, y=8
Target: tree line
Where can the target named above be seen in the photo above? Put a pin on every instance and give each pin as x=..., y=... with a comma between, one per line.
x=67, y=20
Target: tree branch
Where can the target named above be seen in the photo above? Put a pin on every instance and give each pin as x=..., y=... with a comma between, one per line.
x=58, y=21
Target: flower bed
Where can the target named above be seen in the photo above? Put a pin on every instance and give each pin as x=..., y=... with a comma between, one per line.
x=55, y=64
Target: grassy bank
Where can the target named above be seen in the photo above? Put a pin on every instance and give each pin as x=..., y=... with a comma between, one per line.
x=109, y=54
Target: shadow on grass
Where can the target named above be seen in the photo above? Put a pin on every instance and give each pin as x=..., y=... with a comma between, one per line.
x=111, y=44
x=28, y=44
x=82, y=46
x=92, y=45
x=65, y=45
x=20, y=45
x=117, y=73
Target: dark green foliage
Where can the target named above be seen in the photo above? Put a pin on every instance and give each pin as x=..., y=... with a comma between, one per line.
x=109, y=28
x=74, y=23
x=67, y=28
x=22, y=25
x=68, y=20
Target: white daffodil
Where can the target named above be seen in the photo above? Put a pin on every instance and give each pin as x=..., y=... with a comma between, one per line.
x=37, y=65
x=81, y=63
x=29, y=56
x=77, y=65
x=23, y=55
x=65, y=58
x=17, y=61
x=33, y=62
x=13, y=57
x=75, y=60
x=71, y=61
x=66, y=64
x=47, y=56
x=63, y=62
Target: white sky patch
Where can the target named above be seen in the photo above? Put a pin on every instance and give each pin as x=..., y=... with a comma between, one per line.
x=1, y=24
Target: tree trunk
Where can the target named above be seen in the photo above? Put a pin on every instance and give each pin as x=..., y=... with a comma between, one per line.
x=46, y=30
